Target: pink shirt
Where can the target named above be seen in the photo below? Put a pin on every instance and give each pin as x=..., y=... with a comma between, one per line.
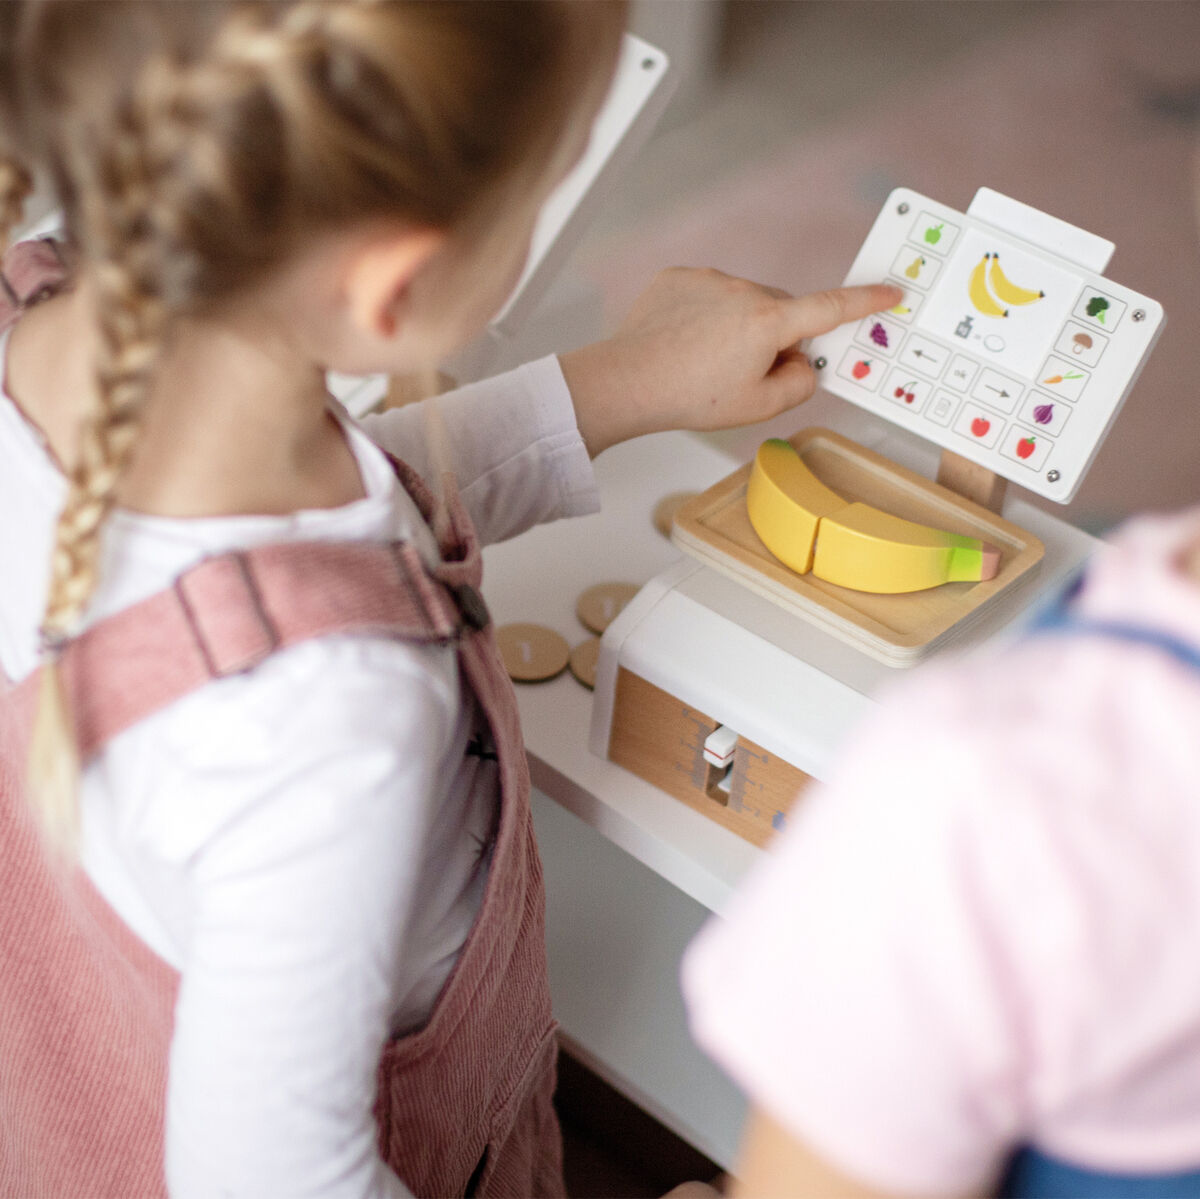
x=984, y=929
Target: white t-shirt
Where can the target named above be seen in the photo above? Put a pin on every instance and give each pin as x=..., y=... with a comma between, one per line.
x=982, y=932
x=304, y=844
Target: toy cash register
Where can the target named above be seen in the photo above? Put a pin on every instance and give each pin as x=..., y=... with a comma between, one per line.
x=732, y=677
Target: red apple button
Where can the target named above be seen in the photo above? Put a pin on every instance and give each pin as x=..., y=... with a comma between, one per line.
x=979, y=426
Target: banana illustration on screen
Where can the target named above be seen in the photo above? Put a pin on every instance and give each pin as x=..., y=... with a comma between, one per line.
x=809, y=527
x=990, y=288
x=1008, y=291
x=978, y=290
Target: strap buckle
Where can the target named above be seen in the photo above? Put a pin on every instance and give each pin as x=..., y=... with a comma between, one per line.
x=244, y=635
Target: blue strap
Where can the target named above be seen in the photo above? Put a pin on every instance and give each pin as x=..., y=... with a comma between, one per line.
x=1034, y=1175
x=1058, y=617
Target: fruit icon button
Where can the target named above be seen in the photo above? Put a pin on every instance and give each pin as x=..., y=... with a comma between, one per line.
x=915, y=268
x=906, y=390
x=1045, y=413
x=1062, y=378
x=862, y=369
x=1099, y=310
x=934, y=233
x=978, y=426
x=1029, y=448
x=908, y=308
x=880, y=336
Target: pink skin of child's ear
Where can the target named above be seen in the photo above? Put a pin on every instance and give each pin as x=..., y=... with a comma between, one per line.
x=381, y=273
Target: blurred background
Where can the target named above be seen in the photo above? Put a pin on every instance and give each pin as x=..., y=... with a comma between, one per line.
x=795, y=118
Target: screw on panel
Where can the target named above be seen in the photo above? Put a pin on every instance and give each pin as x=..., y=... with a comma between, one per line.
x=901, y=208
x=648, y=64
x=1140, y=315
x=1053, y=476
x=821, y=363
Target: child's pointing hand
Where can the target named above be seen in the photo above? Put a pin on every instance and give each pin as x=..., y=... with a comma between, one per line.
x=703, y=350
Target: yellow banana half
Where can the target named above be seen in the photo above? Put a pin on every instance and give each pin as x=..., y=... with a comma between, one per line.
x=1005, y=289
x=978, y=290
x=808, y=527
x=869, y=550
x=785, y=500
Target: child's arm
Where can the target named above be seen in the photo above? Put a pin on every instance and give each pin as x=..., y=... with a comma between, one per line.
x=702, y=350
x=699, y=350
x=772, y=1162
x=512, y=442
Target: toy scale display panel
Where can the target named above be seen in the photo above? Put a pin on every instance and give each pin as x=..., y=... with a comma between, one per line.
x=1009, y=347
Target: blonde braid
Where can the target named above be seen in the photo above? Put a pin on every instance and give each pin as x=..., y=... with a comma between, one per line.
x=54, y=759
x=130, y=318
x=129, y=223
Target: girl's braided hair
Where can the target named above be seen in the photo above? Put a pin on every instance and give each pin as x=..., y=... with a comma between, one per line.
x=195, y=145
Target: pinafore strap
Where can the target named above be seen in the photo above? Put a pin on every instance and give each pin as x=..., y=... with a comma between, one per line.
x=1060, y=616
x=228, y=614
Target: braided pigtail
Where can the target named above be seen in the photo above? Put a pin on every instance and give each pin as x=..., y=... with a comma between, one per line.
x=130, y=328
x=130, y=318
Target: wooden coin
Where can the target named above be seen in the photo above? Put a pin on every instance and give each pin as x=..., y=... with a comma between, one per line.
x=665, y=509
x=583, y=661
x=598, y=606
x=532, y=653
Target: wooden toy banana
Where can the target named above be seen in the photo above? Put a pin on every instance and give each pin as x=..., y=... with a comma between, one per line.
x=786, y=501
x=809, y=527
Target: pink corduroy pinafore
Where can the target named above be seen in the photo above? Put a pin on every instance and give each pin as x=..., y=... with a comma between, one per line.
x=464, y=1105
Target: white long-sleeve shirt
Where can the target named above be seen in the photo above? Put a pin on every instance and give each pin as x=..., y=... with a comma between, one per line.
x=302, y=843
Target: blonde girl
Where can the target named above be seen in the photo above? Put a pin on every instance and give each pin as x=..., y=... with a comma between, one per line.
x=270, y=908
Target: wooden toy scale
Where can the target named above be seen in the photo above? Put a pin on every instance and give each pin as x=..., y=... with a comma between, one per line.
x=730, y=680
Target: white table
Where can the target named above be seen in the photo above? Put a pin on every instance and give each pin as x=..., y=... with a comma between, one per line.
x=632, y=873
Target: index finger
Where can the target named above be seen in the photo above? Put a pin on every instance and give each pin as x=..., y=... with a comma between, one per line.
x=821, y=311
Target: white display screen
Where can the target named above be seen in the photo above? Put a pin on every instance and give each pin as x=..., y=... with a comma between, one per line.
x=1000, y=303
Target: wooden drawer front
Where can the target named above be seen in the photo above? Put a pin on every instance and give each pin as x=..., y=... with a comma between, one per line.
x=661, y=739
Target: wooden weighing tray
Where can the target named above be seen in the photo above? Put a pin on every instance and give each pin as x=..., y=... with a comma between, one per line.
x=896, y=629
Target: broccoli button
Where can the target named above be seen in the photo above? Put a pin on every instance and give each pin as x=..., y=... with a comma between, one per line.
x=1097, y=306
